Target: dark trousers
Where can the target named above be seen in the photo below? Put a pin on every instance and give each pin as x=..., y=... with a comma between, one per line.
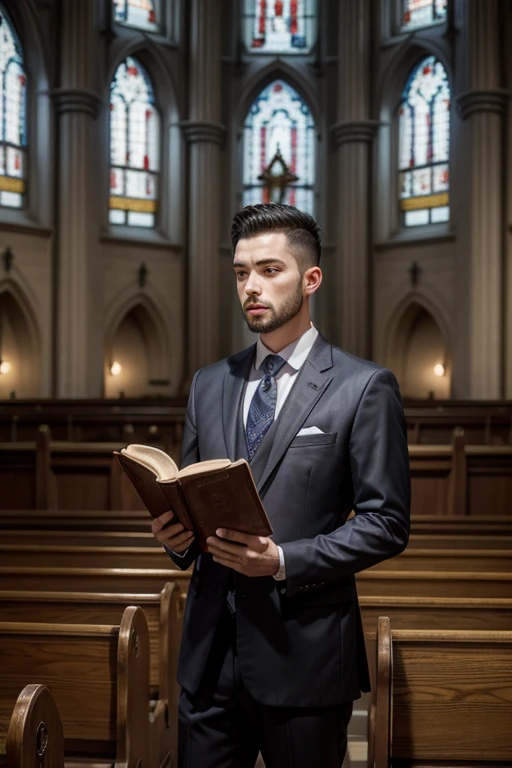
x=222, y=726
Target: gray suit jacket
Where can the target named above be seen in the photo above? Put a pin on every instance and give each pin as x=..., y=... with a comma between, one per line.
x=300, y=641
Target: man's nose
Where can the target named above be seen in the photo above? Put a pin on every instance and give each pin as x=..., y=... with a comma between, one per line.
x=252, y=285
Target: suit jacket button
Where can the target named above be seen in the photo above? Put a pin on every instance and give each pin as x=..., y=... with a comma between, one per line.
x=220, y=591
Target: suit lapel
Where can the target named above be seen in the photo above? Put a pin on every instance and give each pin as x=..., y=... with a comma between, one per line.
x=233, y=389
x=312, y=381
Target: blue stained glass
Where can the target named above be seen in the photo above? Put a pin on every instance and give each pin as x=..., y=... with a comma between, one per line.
x=13, y=163
x=424, y=143
x=134, y=147
x=279, y=26
x=279, y=121
x=142, y=14
x=422, y=13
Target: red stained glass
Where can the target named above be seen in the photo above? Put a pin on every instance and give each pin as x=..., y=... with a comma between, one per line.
x=279, y=26
x=12, y=110
x=134, y=144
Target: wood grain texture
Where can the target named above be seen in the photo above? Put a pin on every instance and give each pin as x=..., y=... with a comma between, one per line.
x=450, y=698
x=35, y=729
x=118, y=580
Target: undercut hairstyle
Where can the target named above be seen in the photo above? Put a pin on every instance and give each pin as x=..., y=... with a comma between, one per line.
x=301, y=230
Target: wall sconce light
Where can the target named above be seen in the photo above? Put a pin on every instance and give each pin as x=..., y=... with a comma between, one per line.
x=439, y=369
x=116, y=368
x=5, y=367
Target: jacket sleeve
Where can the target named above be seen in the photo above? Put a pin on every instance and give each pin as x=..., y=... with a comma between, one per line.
x=379, y=462
x=189, y=455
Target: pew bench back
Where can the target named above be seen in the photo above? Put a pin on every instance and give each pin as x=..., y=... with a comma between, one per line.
x=441, y=697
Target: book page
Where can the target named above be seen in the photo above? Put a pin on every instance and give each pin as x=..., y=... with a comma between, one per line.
x=154, y=459
x=204, y=466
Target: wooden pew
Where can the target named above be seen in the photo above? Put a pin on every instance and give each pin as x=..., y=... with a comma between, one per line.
x=73, y=537
x=68, y=556
x=64, y=556
x=49, y=474
x=156, y=421
x=98, y=676
x=26, y=478
x=460, y=479
x=433, y=584
x=35, y=736
x=164, y=617
x=484, y=423
x=129, y=521
x=441, y=698
x=458, y=541
x=484, y=524
x=437, y=612
x=471, y=560
x=113, y=580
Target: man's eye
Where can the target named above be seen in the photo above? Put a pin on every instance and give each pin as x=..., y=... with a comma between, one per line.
x=271, y=270
x=240, y=275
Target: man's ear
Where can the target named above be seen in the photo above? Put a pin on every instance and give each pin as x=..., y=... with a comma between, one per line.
x=312, y=280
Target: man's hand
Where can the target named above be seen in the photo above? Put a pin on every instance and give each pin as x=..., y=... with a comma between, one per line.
x=174, y=536
x=259, y=556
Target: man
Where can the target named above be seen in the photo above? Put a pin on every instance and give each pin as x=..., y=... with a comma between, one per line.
x=273, y=653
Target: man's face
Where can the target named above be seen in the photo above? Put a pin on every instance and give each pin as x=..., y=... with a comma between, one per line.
x=269, y=283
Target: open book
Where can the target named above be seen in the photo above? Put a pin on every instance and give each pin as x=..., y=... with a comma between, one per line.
x=203, y=496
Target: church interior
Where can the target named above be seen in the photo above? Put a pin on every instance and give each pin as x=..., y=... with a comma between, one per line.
x=131, y=132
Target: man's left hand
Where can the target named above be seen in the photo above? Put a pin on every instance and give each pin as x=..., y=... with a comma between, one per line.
x=259, y=556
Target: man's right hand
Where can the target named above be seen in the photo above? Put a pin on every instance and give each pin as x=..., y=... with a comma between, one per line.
x=174, y=536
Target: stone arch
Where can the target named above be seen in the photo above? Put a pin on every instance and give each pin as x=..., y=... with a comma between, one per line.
x=20, y=343
x=138, y=339
x=276, y=71
x=417, y=341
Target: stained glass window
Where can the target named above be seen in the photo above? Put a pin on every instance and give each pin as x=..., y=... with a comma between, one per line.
x=13, y=159
x=279, y=149
x=143, y=14
x=279, y=26
x=422, y=13
x=134, y=147
x=424, y=143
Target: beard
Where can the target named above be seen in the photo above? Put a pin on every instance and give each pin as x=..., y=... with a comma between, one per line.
x=278, y=317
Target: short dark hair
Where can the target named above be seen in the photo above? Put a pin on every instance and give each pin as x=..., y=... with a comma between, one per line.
x=301, y=230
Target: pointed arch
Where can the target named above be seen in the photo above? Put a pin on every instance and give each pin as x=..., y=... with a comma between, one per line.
x=417, y=339
x=279, y=133
x=276, y=70
x=20, y=342
x=137, y=337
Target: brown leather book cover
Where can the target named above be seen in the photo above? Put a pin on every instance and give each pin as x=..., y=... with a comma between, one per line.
x=223, y=498
x=150, y=491
x=203, y=499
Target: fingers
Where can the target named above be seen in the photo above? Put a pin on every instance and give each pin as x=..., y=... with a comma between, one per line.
x=181, y=542
x=172, y=535
x=256, y=543
x=159, y=522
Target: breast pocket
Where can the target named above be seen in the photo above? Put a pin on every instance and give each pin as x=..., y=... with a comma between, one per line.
x=314, y=440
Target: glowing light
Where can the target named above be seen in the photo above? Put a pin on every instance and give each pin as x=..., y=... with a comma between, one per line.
x=5, y=367
x=439, y=369
x=116, y=368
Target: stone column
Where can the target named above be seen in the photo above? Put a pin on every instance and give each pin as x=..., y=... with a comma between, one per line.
x=204, y=134
x=353, y=136
x=481, y=106
x=79, y=355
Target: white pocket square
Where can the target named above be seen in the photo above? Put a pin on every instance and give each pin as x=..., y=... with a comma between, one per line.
x=310, y=431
